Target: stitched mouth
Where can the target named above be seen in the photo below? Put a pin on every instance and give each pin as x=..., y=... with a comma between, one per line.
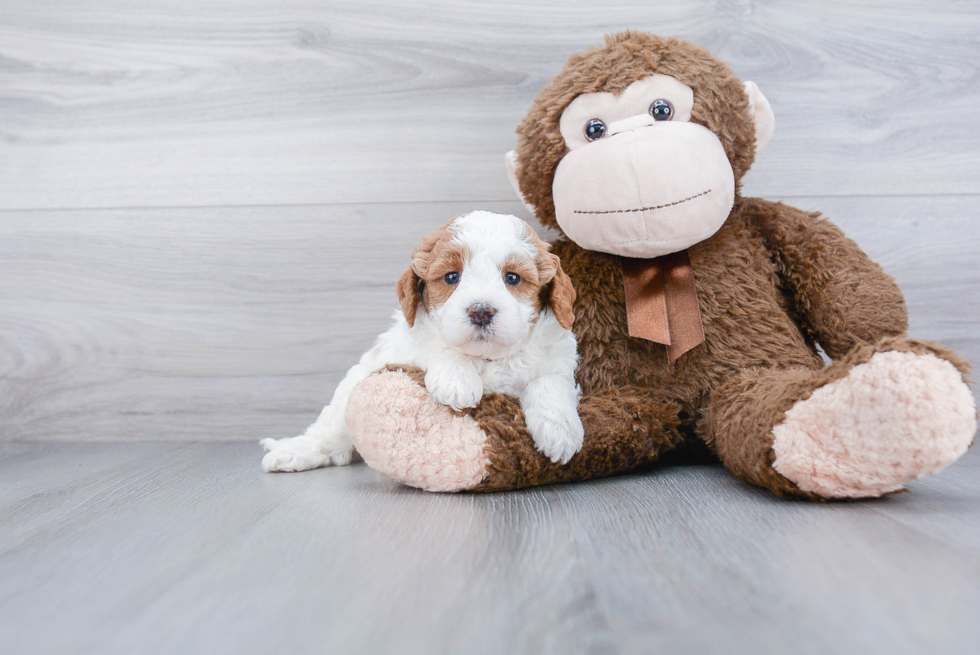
x=643, y=209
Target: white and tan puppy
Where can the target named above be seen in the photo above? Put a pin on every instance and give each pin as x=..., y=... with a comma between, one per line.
x=485, y=308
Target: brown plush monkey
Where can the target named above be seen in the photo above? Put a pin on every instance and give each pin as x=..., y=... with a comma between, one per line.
x=698, y=313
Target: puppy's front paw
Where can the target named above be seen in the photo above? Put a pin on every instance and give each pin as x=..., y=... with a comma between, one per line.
x=455, y=386
x=558, y=435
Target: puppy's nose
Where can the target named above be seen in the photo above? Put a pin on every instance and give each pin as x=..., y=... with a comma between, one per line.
x=481, y=314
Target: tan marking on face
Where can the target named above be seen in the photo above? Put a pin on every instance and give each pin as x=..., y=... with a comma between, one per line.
x=446, y=257
x=543, y=281
x=412, y=285
x=529, y=288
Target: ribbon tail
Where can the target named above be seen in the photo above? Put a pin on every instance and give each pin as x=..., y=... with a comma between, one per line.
x=683, y=313
x=646, y=300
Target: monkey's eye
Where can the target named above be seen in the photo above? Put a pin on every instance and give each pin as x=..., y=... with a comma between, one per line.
x=662, y=110
x=513, y=279
x=595, y=129
x=451, y=278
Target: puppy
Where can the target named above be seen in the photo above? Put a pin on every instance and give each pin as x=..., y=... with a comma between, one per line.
x=484, y=308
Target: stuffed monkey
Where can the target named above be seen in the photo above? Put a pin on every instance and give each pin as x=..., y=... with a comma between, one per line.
x=699, y=312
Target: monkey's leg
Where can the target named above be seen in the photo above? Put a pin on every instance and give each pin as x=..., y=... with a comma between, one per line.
x=402, y=432
x=866, y=425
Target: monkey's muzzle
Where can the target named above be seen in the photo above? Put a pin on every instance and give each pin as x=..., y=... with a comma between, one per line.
x=645, y=192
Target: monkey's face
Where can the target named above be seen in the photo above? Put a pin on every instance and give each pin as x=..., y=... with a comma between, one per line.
x=640, y=179
x=636, y=148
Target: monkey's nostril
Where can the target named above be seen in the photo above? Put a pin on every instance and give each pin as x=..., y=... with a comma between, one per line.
x=481, y=314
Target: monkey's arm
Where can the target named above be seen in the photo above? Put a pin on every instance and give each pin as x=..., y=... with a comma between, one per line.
x=841, y=297
x=402, y=432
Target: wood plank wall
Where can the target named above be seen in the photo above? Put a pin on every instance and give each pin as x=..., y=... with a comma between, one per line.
x=204, y=206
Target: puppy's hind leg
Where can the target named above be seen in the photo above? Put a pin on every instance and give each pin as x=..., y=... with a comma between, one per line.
x=309, y=450
x=292, y=454
x=327, y=441
x=324, y=443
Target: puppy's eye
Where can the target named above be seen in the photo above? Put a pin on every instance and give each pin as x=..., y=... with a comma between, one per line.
x=451, y=278
x=513, y=279
x=595, y=129
x=662, y=110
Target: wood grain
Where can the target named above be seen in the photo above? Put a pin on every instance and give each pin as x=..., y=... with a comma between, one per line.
x=236, y=323
x=161, y=104
x=174, y=548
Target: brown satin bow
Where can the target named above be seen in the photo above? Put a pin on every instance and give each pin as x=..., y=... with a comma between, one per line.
x=662, y=302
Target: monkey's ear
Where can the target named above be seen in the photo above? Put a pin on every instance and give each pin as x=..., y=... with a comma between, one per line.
x=765, y=121
x=511, y=159
x=409, y=290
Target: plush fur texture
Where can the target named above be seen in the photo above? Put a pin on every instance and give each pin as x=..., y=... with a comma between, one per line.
x=625, y=428
x=640, y=186
x=916, y=417
x=626, y=58
x=772, y=283
x=413, y=438
x=500, y=325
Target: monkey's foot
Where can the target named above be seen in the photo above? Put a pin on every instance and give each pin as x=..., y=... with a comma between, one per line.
x=402, y=432
x=897, y=417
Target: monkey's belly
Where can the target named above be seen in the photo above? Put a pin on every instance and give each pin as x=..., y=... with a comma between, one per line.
x=746, y=316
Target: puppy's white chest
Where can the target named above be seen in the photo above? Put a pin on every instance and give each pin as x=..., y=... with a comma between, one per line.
x=507, y=376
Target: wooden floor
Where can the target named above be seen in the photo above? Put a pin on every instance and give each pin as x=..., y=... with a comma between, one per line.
x=187, y=548
x=203, y=210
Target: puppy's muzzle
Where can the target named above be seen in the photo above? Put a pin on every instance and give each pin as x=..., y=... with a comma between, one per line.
x=481, y=314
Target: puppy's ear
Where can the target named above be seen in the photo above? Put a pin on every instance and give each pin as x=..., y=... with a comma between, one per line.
x=557, y=290
x=409, y=290
x=411, y=283
x=559, y=293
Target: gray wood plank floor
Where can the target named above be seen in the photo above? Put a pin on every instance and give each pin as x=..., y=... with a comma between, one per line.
x=188, y=548
x=203, y=209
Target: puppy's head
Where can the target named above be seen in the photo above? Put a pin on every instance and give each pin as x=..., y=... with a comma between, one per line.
x=483, y=280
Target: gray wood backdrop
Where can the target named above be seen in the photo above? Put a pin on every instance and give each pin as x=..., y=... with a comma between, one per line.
x=204, y=206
